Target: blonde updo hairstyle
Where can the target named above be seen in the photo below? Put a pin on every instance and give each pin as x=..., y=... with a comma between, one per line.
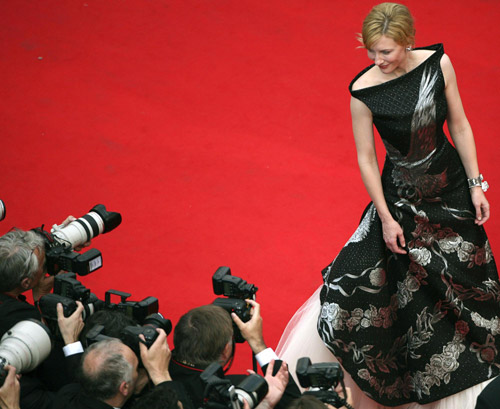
x=392, y=20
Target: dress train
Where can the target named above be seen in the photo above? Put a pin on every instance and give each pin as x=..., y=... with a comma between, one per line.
x=301, y=339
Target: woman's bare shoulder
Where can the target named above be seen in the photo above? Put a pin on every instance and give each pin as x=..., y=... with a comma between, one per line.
x=368, y=79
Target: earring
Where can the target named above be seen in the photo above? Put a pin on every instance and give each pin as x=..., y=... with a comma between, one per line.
x=408, y=48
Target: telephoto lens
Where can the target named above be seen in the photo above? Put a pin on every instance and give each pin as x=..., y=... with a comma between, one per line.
x=97, y=221
x=24, y=346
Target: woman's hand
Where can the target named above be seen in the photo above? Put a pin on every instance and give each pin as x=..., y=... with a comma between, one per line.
x=393, y=236
x=480, y=204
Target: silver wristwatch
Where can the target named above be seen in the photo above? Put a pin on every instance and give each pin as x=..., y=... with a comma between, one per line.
x=478, y=182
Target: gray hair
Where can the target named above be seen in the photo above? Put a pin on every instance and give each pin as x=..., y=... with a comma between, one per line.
x=101, y=378
x=17, y=258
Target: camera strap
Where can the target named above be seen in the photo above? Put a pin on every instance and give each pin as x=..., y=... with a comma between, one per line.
x=229, y=363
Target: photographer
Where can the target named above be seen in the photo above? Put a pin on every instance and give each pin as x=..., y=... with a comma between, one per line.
x=22, y=268
x=109, y=375
x=205, y=334
x=22, y=261
x=107, y=378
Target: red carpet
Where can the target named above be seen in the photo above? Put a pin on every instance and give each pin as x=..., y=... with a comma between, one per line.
x=219, y=129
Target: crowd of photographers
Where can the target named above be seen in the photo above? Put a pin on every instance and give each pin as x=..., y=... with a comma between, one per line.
x=77, y=351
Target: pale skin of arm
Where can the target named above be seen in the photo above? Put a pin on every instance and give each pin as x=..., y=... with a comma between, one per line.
x=463, y=139
x=362, y=126
x=461, y=133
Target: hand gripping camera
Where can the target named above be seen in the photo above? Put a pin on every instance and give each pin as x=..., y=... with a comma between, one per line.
x=322, y=379
x=129, y=335
x=61, y=241
x=221, y=394
x=144, y=312
x=238, y=290
x=68, y=290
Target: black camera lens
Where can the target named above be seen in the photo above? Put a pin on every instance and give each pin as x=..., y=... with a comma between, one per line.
x=252, y=389
x=157, y=321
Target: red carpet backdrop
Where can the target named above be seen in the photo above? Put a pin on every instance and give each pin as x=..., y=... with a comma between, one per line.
x=220, y=129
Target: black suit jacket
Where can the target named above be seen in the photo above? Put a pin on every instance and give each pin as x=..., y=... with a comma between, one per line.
x=189, y=376
x=34, y=393
x=489, y=398
x=72, y=396
x=14, y=310
x=39, y=385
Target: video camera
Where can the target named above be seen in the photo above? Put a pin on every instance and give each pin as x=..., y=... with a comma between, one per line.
x=238, y=290
x=24, y=346
x=221, y=394
x=138, y=310
x=61, y=241
x=144, y=312
x=68, y=290
x=322, y=379
x=130, y=334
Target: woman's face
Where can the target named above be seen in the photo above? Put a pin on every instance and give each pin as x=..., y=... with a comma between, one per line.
x=388, y=55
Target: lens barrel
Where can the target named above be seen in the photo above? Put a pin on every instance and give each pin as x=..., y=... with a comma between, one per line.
x=26, y=345
x=97, y=221
x=252, y=389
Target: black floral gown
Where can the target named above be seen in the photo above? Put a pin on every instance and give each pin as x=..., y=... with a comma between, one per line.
x=425, y=325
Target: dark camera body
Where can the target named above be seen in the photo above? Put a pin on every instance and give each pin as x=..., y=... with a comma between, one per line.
x=67, y=285
x=221, y=394
x=321, y=375
x=68, y=290
x=238, y=290
x=130, y=334
x=240, y=308
x=60, y=258
x=231, y=286
x=48, y=307
x=321, y=378
x=138, y=310
x=329, y=397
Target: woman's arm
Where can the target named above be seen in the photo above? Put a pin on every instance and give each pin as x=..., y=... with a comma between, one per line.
x=362, y=126
x=461, y=133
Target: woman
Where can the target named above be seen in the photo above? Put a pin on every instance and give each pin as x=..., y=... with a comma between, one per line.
x=410, y=305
